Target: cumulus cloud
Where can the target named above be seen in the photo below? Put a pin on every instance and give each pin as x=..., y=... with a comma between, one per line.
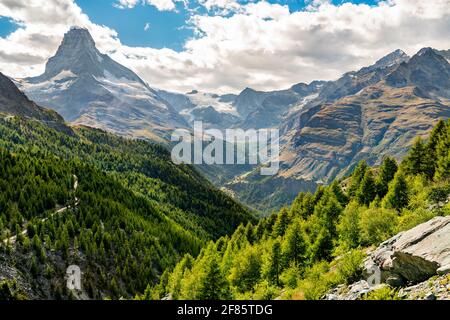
x=161, y=5
x=223, y=6
x=259, y=45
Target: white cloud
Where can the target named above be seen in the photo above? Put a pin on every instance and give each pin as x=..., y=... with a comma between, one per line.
x=220, y=4
x=124, y=4
x=261, y=45
x=161, y=5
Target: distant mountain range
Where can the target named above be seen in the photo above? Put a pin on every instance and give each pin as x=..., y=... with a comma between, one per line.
x=87, y=87
x=326, y=126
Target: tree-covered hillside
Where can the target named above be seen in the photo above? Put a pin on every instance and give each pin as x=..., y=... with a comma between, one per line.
x=321, y=240
x=120, y=209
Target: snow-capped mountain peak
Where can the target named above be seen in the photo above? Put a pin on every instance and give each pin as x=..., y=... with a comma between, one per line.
x=88, y=87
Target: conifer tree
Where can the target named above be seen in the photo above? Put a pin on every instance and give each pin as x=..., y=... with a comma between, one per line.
x=275, y=263
x=246, y=270
x=442, y=169
x=438, y=134
x=367, y=189
x=397, y=197
x=388, y=169
x=417, y=161
x=357, y=177
x=282, y=223
x=335, y=187
x=349, y=227
x=294, y=245
x=213, y=285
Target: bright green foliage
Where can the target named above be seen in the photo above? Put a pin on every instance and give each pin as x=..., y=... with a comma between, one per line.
x=385, y=293
x=377, y=225
x=303, y=205
x=137, y=213
x=213, y=285
x=292, y=254
x=246, y=270
x=442, y=170
x=397, y=197
x=349, y=228
x=294, y=245
x=336, y=188
x=291, y=276
x=437, y=147
x=281, y=223
x=418, y=160
x=273, y=263
x=367, y=189
x=9, y=291
x=357, y=177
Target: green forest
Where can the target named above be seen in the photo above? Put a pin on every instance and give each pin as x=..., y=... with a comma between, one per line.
x=143, y=228
x=133, y=215
x=320, y=241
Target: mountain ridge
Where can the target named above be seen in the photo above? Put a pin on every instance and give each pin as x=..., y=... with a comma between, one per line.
x=13, y=102
x=88, y=87
x=362, y=115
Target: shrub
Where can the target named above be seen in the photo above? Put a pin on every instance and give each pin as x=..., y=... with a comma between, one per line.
x=384, y=293
x=377, y=225
x=349, y=267
x=412, y=218
x=316, y=282
x=291, y=276
x=439, y=193
x=265, y=291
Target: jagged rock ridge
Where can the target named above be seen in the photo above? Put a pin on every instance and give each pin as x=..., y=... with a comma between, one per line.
x=88, y=87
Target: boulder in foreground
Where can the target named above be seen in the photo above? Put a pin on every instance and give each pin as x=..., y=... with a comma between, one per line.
x=415, y=255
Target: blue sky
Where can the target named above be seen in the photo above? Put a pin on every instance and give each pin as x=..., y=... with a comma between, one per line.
x=7, y=26
x=168, y=29
x=165, y=29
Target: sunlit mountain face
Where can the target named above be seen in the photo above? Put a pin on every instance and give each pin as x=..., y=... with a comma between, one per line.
x=87, y=87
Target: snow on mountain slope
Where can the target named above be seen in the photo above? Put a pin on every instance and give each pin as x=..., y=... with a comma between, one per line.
x=213, y=110
x=89, y=88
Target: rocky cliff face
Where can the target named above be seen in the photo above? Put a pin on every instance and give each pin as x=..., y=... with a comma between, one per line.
x=414, y=256
x=14, y=103
x=88, y=87
x=328, y=138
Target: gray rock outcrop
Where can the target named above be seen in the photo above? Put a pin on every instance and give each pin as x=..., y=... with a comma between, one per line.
x=415, y=255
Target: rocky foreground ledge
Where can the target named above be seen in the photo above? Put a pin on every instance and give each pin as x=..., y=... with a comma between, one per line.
x=417, y=262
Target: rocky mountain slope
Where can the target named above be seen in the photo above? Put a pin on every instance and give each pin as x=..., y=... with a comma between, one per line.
x=14, y=103
x=250, y=109
x=381, y=118
x=215, y=111
x=326, y=127
x=367, y=114
x=88, y=87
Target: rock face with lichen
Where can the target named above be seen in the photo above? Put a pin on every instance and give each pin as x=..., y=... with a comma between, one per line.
x=415, y=255
x=415, y=262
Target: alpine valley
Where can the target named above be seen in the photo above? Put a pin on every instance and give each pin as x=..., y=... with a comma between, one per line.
x=86, y=179
x=326, y=127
